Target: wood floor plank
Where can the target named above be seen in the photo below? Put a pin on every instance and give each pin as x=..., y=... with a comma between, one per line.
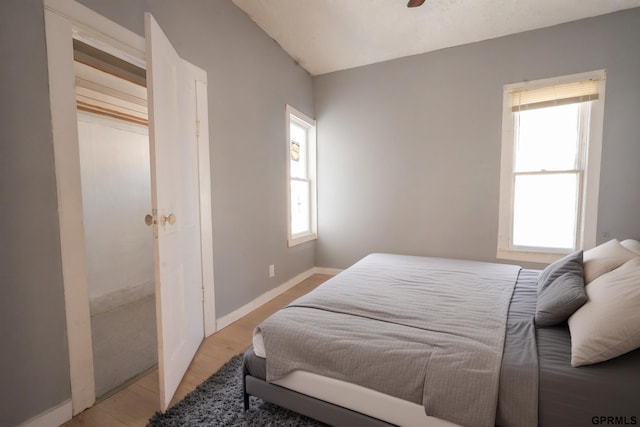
x=94, y=417
x=150, y=381
x=221, y=348
x=134, y=405
x=237, y=338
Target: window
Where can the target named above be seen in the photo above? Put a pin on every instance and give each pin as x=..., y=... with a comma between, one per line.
x=550, y=171
x=301, y=177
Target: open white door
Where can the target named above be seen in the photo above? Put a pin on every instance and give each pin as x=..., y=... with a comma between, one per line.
x=171, y=83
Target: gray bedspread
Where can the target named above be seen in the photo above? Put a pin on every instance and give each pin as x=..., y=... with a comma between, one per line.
x=438, y=344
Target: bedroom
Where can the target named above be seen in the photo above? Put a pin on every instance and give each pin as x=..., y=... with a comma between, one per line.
x=421, y=95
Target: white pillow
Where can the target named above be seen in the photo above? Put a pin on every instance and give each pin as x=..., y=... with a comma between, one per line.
x=608, y=325
x=632, y=245
x=604, y=258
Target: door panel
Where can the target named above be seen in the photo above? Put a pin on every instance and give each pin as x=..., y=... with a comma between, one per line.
x=174, y=187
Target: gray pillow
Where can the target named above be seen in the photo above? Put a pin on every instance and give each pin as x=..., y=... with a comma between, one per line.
x=560, y=290
x=571, y=262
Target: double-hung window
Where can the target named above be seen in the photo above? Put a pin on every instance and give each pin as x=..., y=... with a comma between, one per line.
x=551, y=148
x=301, y=177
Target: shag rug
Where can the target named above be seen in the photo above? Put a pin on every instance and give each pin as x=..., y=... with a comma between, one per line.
x=218, y=402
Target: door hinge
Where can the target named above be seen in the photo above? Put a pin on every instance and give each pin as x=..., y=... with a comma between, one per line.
x=203, y=294
x=197, y=128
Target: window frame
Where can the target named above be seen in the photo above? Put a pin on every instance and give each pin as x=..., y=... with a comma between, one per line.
x=311, y=159
x=589, y=185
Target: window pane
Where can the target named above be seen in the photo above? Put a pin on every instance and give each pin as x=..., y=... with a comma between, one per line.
x=298, y=132
x=300, y=207
x=298, y=151
x=547, y=138
x=545, y=210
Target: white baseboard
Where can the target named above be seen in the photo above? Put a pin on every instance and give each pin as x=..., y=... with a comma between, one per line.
x=52, y=417
x=228, y=319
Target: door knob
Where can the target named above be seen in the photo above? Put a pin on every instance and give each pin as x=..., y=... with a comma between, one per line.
x=148, y=219
x=171, y=219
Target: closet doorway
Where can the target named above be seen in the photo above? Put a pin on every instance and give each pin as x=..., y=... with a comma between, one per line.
x=113, y=137
x=180, y=217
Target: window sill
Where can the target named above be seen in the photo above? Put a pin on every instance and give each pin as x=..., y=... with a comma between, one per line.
x=543, y=257
x=301, y=238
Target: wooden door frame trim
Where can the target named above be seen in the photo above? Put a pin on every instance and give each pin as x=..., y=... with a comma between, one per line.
x=64, y=20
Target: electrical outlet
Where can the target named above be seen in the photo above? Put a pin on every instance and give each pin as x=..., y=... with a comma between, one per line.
x=272, y=270
x=606, y=235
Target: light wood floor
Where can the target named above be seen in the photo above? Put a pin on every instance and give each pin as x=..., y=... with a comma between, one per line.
x=135, y=404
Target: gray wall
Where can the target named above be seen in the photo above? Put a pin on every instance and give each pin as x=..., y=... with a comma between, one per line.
x=409, y=150
x=34, y=361
x=250, y=81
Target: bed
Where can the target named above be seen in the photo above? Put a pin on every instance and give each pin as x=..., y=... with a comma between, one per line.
x=395, y=340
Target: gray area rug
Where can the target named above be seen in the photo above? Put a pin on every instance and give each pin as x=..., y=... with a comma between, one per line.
x=218, y=402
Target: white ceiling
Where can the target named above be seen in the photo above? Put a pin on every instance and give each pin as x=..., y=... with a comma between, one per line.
x=330, y=35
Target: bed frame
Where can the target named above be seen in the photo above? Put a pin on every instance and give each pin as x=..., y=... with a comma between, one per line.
x=311, y=407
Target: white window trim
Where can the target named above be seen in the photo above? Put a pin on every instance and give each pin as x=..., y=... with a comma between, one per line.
x=297, y=239
x=587, y=228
